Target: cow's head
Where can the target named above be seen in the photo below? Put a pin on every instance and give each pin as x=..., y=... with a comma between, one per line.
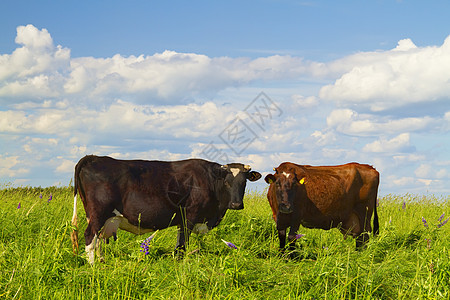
x=286, y=181
x=235, y=178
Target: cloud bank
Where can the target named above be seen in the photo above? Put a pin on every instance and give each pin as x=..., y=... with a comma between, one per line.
x=391, y=79
x=388, y=108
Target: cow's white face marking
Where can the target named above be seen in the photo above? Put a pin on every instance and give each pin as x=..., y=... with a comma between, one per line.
x=234, y=171
x=286, y=174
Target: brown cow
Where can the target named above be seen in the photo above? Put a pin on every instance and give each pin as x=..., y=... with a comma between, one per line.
x=324, y=197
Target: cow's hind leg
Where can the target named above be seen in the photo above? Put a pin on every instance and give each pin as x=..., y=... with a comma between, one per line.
x=363, y=238
x=282, y=238
x=91, y=243
x=361, y=241
x=93, y=238
x=354, y=227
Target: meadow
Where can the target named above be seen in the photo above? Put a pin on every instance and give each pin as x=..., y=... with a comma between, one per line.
x=408, y=260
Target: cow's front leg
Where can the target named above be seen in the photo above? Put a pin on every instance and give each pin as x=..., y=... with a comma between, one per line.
x=282, y=225
x=182, y=239
x=292, y=237
x=282, y=238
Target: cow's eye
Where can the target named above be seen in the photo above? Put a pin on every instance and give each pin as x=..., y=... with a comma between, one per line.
x=227, y=184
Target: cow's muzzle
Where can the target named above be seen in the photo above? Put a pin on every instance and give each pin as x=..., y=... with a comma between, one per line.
x=236, y=206
x=284, y=209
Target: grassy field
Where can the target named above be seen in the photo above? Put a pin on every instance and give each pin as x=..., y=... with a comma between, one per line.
x=406, y=261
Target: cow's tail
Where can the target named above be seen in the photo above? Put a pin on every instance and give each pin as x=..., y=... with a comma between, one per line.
x=376, y=225
x=74, y=233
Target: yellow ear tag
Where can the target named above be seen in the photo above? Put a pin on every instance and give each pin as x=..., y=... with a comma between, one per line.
x=270, y=181
x=302, y=181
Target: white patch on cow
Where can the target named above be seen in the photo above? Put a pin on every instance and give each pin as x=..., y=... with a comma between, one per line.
x=234, y=171
x=74, y=215
x=200, y=228
x=286, y=174
x=90, y=250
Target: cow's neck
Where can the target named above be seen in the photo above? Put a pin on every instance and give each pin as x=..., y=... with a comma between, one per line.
x=222, y=196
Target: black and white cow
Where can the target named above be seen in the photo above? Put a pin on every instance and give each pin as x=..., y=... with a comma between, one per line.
x=142, y=196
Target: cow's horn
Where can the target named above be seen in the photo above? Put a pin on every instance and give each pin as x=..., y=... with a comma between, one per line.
x=225, y=167
x=247, y=168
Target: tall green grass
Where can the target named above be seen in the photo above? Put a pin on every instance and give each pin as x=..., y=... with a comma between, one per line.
x=406, y=261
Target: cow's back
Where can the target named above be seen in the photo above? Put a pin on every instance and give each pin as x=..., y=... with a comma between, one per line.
x=336, y=190
x=147, y=193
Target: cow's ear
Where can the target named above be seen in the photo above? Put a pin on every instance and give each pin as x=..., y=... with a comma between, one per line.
x=253, y=175
x=300, y=175
x=270, y=178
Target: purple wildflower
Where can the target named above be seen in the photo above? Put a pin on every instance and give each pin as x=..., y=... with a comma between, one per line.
x=229, y=244
x=145, y=245
x=424, y=222
x=50, y=198
x=19, y=206
x=404, y=205
x=441, y=217
x=40, y=196
x=443, y=223
x=297, y=236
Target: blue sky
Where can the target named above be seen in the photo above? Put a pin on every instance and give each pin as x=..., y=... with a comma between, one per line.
x=342, y=81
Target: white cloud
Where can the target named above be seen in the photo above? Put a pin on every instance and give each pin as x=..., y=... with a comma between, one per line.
x=323, y=138
x=168, y=106
x=426, y=182
x=409, y=158
x=388, y=79
x=121, y=120
x=403, y=181
x=46, y=121
x=65, y=166
x=400, y=143
x=300, y=101
x=9, y=166
x=429, y=170
x=32, y=38
x=40, y=70
x=423, y=171
x=442, y=173
x=34, y=70
x=350, y=122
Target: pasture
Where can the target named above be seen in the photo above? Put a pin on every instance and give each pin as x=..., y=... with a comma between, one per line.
x=408, y=260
